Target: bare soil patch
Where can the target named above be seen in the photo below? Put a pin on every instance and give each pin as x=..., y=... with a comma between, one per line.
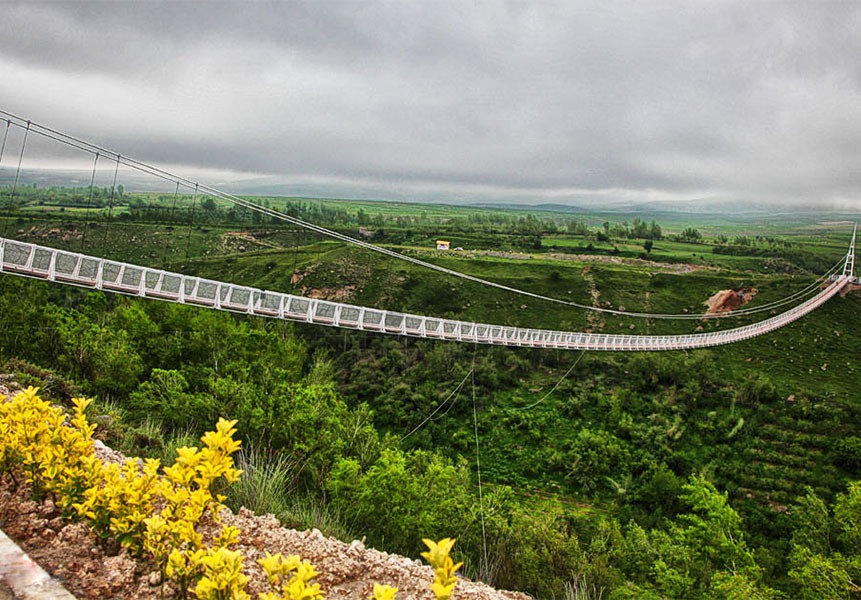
x=242, y=241
x=726, y=301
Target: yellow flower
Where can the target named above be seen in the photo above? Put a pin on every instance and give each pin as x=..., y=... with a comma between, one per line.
x=272, y=567
x=384, y=592
x=222, y=576
x=444, y=568
x=438, y=551
x=175, y=563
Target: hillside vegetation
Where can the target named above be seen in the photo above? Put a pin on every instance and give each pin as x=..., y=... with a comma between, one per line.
x=713, y=474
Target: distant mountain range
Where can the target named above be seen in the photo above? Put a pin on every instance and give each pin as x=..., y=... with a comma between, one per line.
x=727, y=209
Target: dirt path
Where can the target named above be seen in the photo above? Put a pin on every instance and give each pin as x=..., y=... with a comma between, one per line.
x=593, y=318
x=631, y=262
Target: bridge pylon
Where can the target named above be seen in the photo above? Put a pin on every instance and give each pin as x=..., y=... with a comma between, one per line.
x=849, y=267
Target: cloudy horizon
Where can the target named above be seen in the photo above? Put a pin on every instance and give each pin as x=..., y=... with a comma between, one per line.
x=457, y=101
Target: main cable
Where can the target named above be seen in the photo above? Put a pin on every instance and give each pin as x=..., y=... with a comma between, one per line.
x=198, y=187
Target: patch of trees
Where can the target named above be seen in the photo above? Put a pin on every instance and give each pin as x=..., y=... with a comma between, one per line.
x=690, y=234
x=637, y=229
x=95, y=197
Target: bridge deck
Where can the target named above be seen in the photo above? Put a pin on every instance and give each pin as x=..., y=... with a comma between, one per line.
x=30, y=260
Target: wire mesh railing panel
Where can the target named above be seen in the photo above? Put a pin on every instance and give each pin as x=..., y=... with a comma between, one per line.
x=270, y=302
x=89, y=269
x=394, y=321
x=131, y=277
x=42, y=260
x=372, y=319
x=111, y=272
x=325, y=311
x=207, y=290
x=350, y=315
x=298, y=307
x=171, y=284
x=16, y=255
x=188, y=285
x=238, y=297
x=151, y=280
x=66, y=264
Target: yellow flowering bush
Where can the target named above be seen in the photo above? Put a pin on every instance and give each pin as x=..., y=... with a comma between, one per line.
x=222, y=576
x=158, y=510
x=186, y=491
x=290, y=577
x=123, y=500
x=443, y=567
x=53, y=458
x=143, y=509
x=69, y=466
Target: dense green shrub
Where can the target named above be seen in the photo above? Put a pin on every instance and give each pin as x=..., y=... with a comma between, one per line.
x=402, y=496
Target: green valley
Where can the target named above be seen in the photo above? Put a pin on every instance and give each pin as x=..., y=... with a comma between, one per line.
x=723, y=473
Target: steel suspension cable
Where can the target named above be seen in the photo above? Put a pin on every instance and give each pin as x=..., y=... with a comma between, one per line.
x=558, y=383
x=484, y=555
x=5, y=135
x=111, y=201
x=334, y=234
x=89, y=203
x=809, y=290
x=452, y=395
x=165, y=175
x=17, y=175
x=170, y=223
x=190, y=223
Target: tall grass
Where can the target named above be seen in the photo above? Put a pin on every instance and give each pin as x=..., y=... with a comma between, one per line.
x=176, y=439
x=310, y=512
x=267, y=480
x=268, y=485
x=580, y=589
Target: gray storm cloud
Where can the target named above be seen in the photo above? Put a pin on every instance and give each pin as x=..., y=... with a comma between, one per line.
x=752, y=101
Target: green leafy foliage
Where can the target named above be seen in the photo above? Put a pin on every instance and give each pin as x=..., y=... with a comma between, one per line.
x=401, y=494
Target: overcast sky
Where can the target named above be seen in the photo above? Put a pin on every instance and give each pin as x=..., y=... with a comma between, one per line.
x=463, y=100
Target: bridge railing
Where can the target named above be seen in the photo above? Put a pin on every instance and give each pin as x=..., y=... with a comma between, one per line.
x=31, y=260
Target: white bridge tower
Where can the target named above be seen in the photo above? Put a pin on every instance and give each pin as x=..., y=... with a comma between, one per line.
x=849, y=267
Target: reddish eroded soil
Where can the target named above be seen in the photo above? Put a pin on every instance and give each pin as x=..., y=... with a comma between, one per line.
x=726, y=301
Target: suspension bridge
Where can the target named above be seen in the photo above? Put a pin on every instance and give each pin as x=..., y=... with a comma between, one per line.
x=61, y=266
